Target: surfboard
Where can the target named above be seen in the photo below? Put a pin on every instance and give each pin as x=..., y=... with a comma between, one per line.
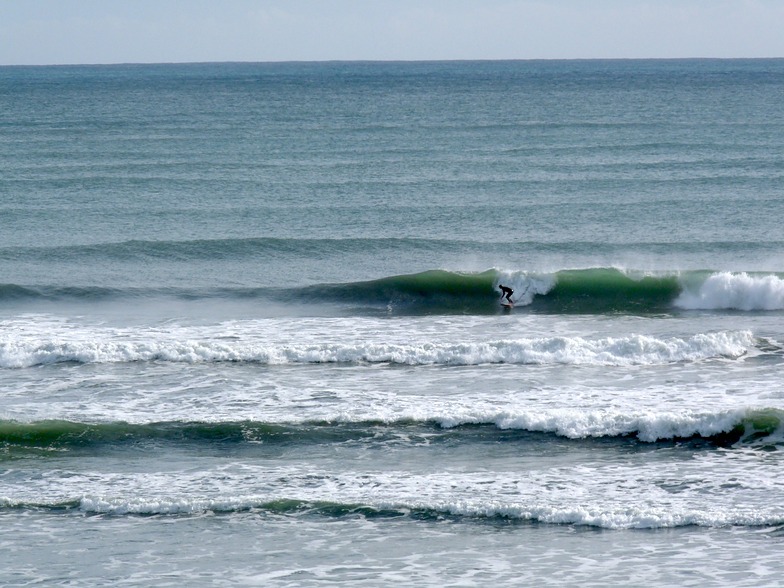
x=507, y=304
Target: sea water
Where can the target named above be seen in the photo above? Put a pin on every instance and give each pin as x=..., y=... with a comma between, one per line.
x=250, y=330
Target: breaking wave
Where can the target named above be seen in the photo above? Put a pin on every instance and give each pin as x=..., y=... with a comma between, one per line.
x=595, y=290
x=640, y=517
x=744, y=426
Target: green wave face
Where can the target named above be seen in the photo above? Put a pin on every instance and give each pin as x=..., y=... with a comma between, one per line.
x=433, y=290
x=597, y=290
x=42, y=438
x=609, y=290
x=761, y=428
x=588, y=291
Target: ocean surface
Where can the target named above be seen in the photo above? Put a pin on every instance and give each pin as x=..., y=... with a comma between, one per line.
x=250, y=331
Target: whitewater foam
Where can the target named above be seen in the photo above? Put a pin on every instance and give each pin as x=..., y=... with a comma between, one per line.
x=623, y=518
x=578, y=424
x=20, y=352
x=641, y=517
x=739, y=291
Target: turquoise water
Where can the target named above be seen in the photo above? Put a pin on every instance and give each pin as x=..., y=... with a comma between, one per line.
x=250, y=329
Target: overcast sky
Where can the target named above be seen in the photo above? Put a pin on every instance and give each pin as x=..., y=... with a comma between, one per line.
x=148, y=31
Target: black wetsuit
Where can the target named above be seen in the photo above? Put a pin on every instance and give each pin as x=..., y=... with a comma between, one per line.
x=506, y=292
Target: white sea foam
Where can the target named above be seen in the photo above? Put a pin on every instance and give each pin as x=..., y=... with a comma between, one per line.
x=628, y=516
x=577, y=424
x=167, y=506
x=740, y=291
x=610, y=351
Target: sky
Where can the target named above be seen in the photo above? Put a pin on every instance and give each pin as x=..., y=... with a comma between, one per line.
x=38, y=32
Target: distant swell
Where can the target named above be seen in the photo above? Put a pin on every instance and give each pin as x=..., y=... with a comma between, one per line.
x=257, y=247
x=221, y=249
x=14, y=292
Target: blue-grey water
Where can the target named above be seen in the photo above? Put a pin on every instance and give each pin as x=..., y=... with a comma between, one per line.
x=250, y=330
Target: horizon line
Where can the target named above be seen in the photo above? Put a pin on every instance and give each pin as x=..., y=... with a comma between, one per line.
x=335, y=61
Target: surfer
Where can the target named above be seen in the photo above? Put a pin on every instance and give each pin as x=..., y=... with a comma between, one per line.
x=506, y=292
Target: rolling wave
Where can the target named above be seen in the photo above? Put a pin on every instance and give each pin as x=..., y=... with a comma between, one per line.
x=478, y=510
x=745, y=427
x=594, y=290
x=609, y=500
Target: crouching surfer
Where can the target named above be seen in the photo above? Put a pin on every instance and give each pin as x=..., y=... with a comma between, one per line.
x=506, y=292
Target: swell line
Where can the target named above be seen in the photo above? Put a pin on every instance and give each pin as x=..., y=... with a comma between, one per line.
x=253, y=248
x=216, y=249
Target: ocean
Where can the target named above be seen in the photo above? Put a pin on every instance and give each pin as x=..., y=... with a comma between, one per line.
x=251, y=332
